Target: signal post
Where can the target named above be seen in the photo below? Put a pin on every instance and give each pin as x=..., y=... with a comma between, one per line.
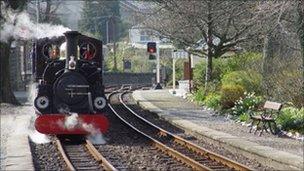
x=153, y=49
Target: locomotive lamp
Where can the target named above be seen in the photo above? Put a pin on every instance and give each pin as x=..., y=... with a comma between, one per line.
x=100, y=103
x=72, y=63
x=42, y=102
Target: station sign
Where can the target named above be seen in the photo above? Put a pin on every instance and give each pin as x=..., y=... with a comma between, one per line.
x=180, y=54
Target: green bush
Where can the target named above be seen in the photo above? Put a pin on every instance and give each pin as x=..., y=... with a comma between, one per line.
x=230, y=94
x=250, y=80
x=213, y=101
x=222, y=66
x=249, y=102
x=218, y=68
x=199, y=95
x=291, y=119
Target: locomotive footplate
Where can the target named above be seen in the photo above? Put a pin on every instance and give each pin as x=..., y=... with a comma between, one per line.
x=71, y=124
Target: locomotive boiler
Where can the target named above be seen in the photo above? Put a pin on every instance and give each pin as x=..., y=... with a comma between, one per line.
x=70, y=93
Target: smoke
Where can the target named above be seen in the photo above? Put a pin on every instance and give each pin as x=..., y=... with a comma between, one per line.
x=96, y=138
x=38, y=138
x=73, y=121
x=33, y=134
x=32, y=92
x=20, y=26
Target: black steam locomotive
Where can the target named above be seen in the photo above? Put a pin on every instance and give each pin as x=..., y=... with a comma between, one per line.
x=68, y=71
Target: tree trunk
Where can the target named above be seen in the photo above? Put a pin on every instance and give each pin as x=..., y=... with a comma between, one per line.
x=47, y=12
x=209, y=50
x=6, y=95
x=209, y=62
x=300, y=10
x=268, y=52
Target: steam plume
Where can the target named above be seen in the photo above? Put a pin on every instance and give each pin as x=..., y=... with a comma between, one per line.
x=20, y=26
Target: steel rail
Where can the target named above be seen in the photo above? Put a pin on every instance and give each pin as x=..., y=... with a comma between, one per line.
x=171, y=152
x=69, y=165
x=106, y=165
x=195, y=148
x=99, y=158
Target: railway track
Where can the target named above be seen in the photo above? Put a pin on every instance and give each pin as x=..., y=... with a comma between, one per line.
x=82, y=156
x=178, y=148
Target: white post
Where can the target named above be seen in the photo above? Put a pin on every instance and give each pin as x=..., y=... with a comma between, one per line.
x=157, y=65
x=173, y=68
x=157, y=86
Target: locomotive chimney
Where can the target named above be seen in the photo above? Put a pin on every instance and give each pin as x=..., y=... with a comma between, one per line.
x=71, y=38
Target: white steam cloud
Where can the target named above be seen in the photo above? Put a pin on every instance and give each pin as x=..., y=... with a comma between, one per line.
x=38, y=138
x=34, y=135
x=72, y=121
x=20, y=26
x=96, y=138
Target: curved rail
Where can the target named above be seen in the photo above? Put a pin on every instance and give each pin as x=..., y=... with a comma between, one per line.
x=102, y=162
x=189, y=145
x=68, y=163
x=171, y=152
x=197, y=149
x=98, y=157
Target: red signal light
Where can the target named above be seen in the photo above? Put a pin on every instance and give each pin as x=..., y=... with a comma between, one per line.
x=151, y=50
x=151, y=47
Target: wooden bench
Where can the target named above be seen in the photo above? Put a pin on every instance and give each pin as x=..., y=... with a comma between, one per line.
x=267, y=117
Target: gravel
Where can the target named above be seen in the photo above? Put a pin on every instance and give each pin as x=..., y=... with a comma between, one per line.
x=46, y=157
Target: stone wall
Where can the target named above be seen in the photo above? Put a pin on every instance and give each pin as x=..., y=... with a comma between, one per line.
x=110, y=78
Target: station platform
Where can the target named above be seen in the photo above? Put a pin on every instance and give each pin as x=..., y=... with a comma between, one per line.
x=15, y=123
x=279, y=153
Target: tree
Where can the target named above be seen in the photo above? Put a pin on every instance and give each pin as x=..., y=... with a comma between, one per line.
x=300, y=26
x=98, y=15
x=102, y=20
x=47, y=12
x=6, y=94
x=283, y=30
x=218, y=25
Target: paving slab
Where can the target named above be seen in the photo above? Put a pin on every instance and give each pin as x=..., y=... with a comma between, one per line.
x=15, y=148
x=267, y=149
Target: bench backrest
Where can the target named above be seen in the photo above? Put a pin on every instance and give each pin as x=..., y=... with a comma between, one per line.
x=272, y=105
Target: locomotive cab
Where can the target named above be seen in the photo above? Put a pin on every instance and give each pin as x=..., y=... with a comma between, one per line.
x=70, y=85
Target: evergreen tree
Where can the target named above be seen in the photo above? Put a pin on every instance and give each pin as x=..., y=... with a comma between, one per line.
x=96, y=15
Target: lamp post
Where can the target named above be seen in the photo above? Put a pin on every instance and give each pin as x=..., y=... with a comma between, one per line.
x=173, y=69
x=158, y=86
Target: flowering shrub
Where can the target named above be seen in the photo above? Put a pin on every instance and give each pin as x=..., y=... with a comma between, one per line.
x=244, y=117
x=249, y=102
